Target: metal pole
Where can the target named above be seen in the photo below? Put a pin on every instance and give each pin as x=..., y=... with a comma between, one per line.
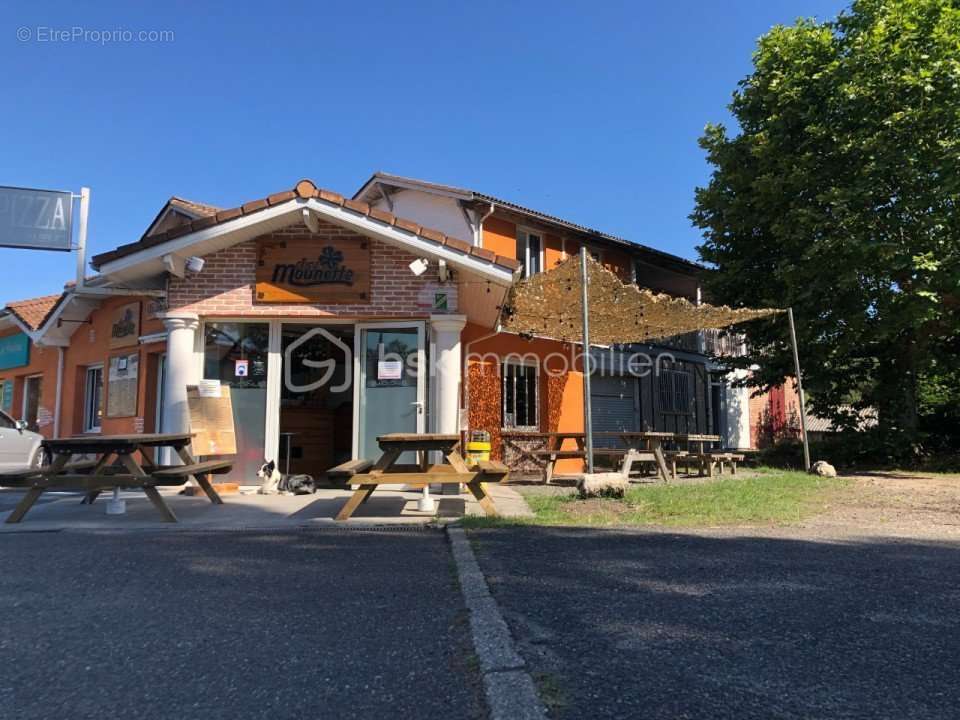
x=587, y=412
x=803, y=404
x=82, y=236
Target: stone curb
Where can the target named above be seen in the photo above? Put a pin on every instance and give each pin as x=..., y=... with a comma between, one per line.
x=511, y=692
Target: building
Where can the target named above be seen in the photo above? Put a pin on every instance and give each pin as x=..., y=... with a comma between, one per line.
x=321, y=313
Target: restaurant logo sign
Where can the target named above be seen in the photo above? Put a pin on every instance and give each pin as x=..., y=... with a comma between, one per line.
x=125, y=325
x=303, y=269
x=328, y=268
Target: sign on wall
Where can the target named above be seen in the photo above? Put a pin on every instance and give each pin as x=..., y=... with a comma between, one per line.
x=303, y=270
x=125, y=325
x=38, y=219
x=122, y=385
x=14, y=351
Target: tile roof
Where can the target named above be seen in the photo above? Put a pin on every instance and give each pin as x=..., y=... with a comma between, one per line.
x=483, y=197
x=867, y=418
x=34, y=311
x=305, y=189
x=193, y=207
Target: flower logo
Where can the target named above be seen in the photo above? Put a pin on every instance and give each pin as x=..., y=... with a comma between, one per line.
x=330, y=257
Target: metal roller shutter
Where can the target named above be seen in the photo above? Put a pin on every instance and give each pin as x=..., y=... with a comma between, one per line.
x=614, y=403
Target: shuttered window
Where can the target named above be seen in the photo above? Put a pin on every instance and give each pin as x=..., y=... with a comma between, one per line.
x=675, y=391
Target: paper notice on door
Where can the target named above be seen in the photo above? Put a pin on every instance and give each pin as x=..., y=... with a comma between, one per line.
x=390, y=370
x=209, y=388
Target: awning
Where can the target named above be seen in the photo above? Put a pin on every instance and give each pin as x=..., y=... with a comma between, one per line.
x=549, y=304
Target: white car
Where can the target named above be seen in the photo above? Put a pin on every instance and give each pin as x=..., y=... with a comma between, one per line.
x=19, y=448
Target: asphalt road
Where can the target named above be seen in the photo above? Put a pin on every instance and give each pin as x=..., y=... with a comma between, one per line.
x=304, y=624
x=643, y=625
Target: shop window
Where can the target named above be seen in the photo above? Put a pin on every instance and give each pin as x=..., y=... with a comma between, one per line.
x=31, y=401
x=93, y=399
x=530, y=251
x=520, y=396
x=674, y=391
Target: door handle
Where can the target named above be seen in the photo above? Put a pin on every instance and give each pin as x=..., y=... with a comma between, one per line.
x=419, y=406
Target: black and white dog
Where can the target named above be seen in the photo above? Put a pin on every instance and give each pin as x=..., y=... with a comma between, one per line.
x=273, y=482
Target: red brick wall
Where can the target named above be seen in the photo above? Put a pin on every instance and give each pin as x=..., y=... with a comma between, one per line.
x=226, y=285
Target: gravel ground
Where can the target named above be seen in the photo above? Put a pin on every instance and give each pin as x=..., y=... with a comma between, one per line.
x=233, y=625
x=634, y=624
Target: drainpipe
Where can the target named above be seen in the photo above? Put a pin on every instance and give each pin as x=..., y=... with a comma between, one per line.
x=58, y=397
x=478, y=232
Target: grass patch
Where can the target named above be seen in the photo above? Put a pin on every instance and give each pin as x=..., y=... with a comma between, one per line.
x=765, y=496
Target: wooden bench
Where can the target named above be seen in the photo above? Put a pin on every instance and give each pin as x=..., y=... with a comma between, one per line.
x=708, y=461
x=551, y=456
x=344, y=471
x=627, y=457
x=484, y=471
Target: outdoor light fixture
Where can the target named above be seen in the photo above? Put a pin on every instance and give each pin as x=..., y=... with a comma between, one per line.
x=419, y=266
x=195, y=264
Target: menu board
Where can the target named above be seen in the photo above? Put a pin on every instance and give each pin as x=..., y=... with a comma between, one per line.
x=122, y=384
x=211, y=421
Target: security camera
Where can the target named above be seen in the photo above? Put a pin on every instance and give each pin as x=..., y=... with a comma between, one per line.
x=419, y=266
x=195, y=264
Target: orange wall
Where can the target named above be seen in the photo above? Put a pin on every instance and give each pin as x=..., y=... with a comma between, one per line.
x=500, y=235
x=560, y=395
x=43, y=361
x=89, y=345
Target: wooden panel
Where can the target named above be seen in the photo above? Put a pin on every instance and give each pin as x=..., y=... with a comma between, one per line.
x=305, y=270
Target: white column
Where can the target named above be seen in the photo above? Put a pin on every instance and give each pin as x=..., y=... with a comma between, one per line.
x=446, y=361
x=180, y=370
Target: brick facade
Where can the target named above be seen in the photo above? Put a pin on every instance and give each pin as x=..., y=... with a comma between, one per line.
x=227, y=284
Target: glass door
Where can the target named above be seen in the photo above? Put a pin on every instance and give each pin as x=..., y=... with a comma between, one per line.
x=235, y=353
x=391, y=384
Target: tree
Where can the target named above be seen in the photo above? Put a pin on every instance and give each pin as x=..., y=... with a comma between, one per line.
x=839, y=197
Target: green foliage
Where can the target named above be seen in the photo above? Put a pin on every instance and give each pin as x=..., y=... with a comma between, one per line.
x=838, y=197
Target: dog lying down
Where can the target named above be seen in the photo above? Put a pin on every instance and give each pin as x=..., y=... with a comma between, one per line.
x=273, y=482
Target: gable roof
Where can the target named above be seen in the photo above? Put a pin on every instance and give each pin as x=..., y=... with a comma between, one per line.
x=307, y=190
x=34, y=311
x=473, y=195
x=181, y=206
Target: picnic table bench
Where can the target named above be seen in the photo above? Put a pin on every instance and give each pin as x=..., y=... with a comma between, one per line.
x=369, y=475
x=115, y=469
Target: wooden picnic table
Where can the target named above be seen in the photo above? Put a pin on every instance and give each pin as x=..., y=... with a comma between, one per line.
x=385, y=471
x=650, y=441
x=116, y=455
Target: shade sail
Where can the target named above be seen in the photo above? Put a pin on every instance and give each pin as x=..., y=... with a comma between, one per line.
x=549, y=305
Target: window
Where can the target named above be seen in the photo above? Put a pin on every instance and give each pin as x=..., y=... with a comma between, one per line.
x=6, y=422
x=530, y=251
x=674, y=391
x=31, y=401
x=520, y=396
x=93, y=399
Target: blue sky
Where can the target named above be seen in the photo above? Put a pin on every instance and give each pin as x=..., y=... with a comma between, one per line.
x=590, y=111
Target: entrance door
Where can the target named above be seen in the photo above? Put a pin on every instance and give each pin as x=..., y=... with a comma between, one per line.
x=235, y=353
x=391, y=384
x=31, y=401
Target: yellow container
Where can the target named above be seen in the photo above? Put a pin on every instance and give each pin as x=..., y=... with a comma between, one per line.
x=477, y=451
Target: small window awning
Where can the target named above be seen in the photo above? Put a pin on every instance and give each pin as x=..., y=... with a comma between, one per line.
x=549, y=304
